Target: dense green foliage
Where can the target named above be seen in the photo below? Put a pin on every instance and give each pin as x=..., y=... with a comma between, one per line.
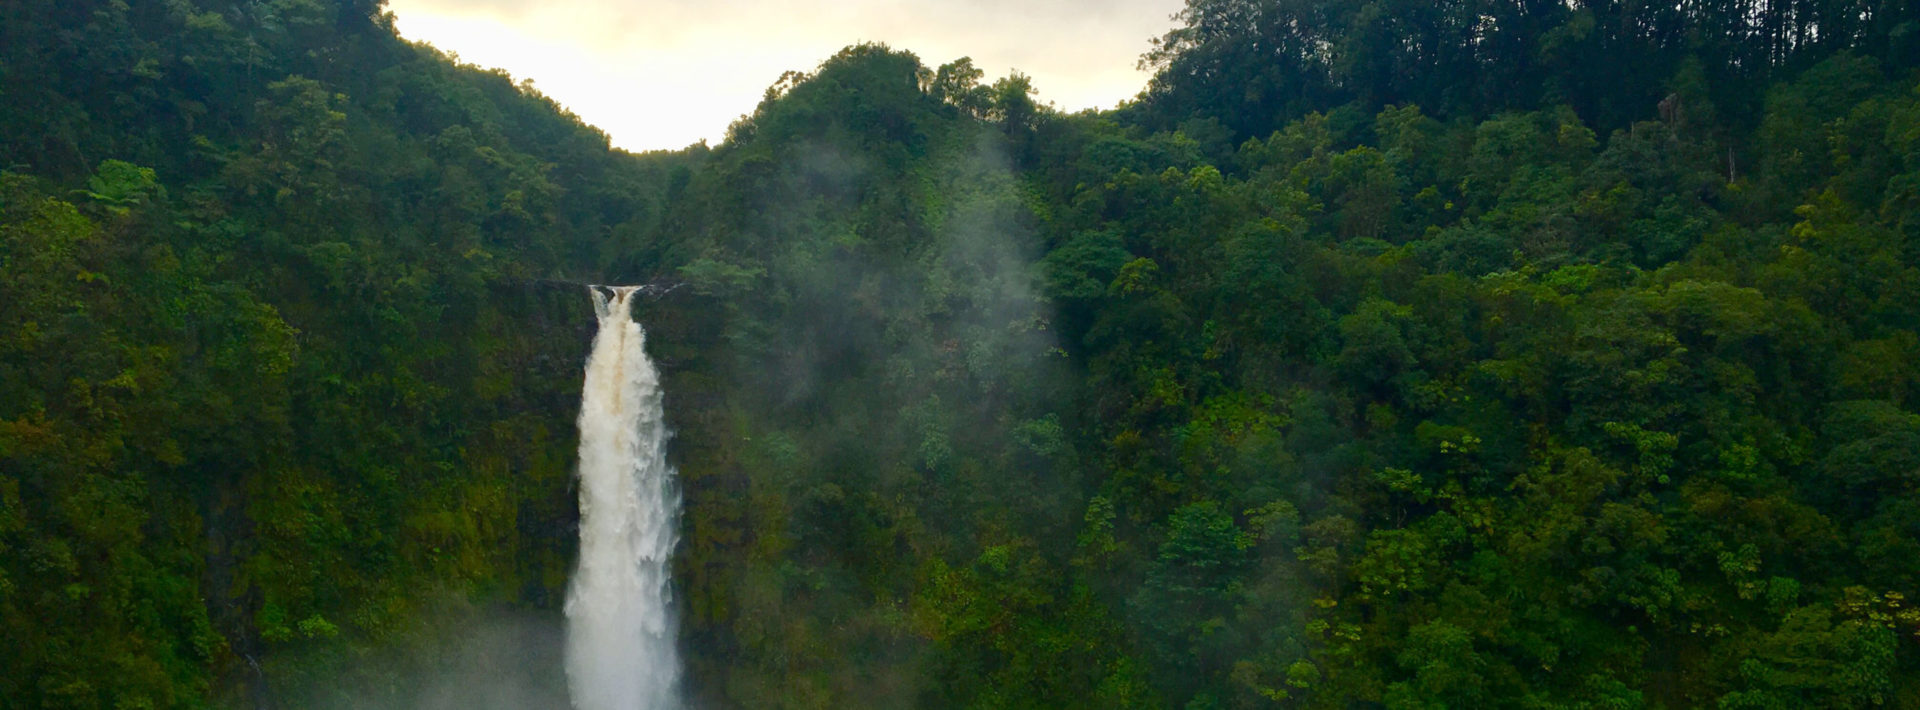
x=273, y=377
x=1383, y=354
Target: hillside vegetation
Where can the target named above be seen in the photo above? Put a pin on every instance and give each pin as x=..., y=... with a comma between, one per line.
x=1381, y=354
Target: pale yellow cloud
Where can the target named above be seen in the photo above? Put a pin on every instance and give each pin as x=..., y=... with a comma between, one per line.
x=668, y=73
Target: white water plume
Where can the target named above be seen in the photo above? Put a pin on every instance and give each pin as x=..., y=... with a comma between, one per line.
x=620, y=629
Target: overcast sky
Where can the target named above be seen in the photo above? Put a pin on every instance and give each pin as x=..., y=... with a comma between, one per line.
x=660, y=74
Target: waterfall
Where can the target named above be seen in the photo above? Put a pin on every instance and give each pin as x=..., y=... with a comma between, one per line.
x=620, y=629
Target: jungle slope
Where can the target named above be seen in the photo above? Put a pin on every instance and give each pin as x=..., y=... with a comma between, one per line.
x=1457, y=354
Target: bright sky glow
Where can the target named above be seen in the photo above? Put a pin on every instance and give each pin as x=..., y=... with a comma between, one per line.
x=663, y=74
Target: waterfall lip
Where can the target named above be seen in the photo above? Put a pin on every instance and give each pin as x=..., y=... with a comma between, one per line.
x=656, y=289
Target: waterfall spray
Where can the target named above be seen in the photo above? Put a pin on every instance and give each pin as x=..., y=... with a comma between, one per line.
x=620, y=629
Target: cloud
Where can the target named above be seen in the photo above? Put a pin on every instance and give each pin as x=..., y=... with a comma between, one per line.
x=667, y=73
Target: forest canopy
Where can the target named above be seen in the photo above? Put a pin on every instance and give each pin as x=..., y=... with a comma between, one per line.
x=1379, y=354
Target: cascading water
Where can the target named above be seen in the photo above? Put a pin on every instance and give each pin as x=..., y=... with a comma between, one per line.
x=620, y=632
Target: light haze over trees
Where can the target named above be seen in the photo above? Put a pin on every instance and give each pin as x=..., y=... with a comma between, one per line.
x=1382, y=354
